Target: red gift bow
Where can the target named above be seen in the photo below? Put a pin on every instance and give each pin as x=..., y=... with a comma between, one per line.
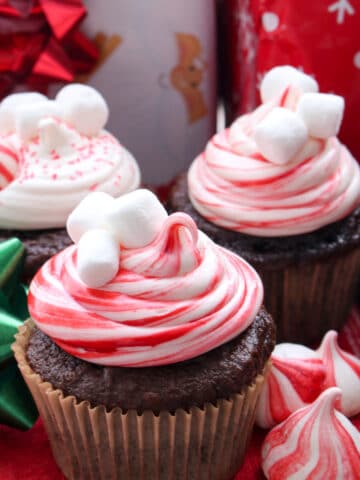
x=40, y=43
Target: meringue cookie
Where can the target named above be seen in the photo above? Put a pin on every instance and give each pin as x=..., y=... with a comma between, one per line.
x=315, y=443
x=296, y=378
x=343, y=371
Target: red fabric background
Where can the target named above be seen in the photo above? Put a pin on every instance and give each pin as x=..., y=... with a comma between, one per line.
x=27, y=455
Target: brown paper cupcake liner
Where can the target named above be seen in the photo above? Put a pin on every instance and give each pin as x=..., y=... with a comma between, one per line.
x=94, y=444
x=309, y=299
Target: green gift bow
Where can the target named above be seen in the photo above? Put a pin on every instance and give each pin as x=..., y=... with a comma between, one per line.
x=17, y=408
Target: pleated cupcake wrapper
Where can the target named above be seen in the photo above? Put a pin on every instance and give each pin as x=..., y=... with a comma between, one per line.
x=95, y=444
x=308, y=299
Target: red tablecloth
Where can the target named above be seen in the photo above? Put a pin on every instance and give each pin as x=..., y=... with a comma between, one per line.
x=27, y=455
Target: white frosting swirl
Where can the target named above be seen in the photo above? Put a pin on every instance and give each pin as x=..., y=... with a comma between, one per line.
x=47, y=166
x=234, y=186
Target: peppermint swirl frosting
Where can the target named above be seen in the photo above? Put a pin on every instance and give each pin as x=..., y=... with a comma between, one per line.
x=174, y=299
x=233, y=185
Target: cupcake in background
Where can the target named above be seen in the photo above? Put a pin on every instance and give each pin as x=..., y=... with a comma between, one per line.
x=279, y=189
x=148, y=345
x=52, y=154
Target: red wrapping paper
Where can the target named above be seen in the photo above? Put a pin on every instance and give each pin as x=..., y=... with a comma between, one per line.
x=40, y=43
x=27, y=455
x=320, y=37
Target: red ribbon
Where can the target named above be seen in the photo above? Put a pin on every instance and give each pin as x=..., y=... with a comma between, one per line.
x=40, y=43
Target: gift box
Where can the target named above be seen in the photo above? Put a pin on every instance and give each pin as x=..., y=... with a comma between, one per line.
x=157, y=72
x=321, y=38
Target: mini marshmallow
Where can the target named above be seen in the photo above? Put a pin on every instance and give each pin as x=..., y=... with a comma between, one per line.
x=83, y=108
x=8, y=107
x=278, y=78
x=54, y=136
x=136, y=218
x=322, y=113
x=98, y=255
x=280, y=136
x=28, y=116
x=89, y=214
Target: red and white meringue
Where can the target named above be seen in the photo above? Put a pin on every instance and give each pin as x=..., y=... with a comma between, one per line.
x=296, y=378
x=171, y=299
x=343, y=371
x=316, y=442
x=279, y=170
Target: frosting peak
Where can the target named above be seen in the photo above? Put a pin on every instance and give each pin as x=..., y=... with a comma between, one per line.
x=53, y=153
x=279, y=170
x=174, y=252
x=171, y=299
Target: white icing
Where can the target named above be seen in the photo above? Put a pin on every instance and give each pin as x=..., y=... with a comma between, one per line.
x=48, y=164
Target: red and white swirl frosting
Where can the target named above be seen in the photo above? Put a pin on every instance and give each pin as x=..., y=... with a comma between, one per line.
x=232, y=185
x=172, y=300
x=296, y=378
x=316, y=442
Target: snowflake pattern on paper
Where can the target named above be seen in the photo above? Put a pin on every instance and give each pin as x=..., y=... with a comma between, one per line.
x=341, y=8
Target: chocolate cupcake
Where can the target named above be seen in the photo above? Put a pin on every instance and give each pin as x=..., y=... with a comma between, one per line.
x=52, y=154
x=147, y=347
x=280, y=190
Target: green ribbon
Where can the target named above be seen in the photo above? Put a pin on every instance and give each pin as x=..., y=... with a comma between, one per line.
x=17, y=408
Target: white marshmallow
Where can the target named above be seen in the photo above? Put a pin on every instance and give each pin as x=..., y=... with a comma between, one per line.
x=54, y=136
x=84, y=108
x=322, y=113
x=98, y=255
x=136, y=218
x=278, y=78
x=9, y=105
x=28, y=116
x=280, y=136
x=88, y=215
